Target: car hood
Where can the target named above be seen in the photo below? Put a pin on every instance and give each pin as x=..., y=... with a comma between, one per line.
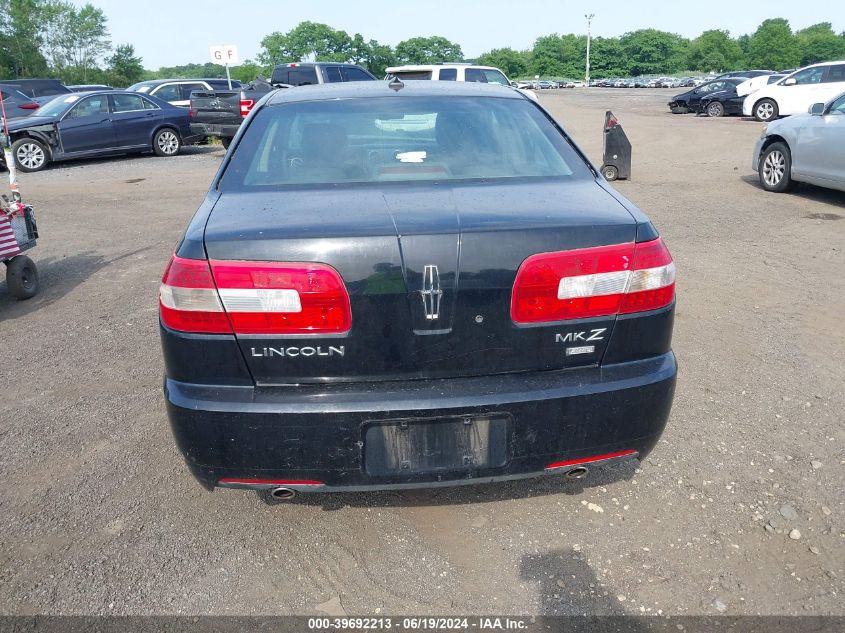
x=30, y=121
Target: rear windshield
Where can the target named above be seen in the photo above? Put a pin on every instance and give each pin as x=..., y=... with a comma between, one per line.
x=399, y=139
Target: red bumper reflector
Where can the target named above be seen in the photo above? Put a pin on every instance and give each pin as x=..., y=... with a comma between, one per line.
x=585, y=460
x=272, y=482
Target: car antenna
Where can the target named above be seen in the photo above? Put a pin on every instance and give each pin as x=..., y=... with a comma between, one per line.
x=396, y=84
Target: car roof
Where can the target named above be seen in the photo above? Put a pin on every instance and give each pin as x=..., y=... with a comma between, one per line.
x=30, y=82
x=156, y=82
x=87, y=93
x=833, y=63
x=364, y=89
x=392, y=69
x=309, y=64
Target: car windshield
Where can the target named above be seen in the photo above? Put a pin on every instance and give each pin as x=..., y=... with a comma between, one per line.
x=405, y=139
x=58, y=106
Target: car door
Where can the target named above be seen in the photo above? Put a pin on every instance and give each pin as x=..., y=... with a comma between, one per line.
x=87, y=126
x=702, y=91
x=350, y=73
x=818, y=152
x=800, y=90
x=131, y=120
x=833, y=83
x=187, y=88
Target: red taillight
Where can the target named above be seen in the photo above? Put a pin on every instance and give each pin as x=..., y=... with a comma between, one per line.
x=188, y=300
x=246, y=106
x=222, y=297
x=29, y=106
x=271, y=482
x=593, y=282
x=283, y=298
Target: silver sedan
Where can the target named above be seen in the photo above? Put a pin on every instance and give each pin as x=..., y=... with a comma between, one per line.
x=804, y=148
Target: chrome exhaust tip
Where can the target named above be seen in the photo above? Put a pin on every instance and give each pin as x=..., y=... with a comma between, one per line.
x=282, y=493
x=578, y=473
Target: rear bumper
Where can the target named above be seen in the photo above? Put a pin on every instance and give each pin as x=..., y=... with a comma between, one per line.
x=311, y=438
x=227, y=130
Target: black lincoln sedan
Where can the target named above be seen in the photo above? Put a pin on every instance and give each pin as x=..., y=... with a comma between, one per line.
x=100, y=123
x=404, y=285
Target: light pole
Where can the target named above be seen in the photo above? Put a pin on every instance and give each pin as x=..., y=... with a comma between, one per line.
x=587, y=75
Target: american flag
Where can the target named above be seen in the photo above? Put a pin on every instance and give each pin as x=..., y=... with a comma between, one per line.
x=8, y=242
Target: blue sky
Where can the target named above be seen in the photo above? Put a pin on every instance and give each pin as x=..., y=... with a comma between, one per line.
x=171, y=32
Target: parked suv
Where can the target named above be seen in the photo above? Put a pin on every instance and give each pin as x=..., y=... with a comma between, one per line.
x=795, y=93
x=178, y=91
x=307, y=74
x=458, y=72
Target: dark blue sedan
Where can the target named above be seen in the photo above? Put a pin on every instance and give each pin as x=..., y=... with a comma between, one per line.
x=100, y=123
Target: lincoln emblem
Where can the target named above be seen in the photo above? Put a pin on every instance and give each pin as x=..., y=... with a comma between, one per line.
x=431, y=292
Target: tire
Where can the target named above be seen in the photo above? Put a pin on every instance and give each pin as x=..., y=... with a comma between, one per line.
x=775, y=168
x=22, y=277
x=766, y=110
x=226, y=141
x=30, y=154
x=610, y=172
x=715, y=109
x=166, y=142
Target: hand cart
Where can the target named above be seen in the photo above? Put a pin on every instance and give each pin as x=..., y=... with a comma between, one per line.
x=18, y=231
x=616, y=161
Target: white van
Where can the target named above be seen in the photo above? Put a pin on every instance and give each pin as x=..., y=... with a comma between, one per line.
x=795, y=93
x=454, y=72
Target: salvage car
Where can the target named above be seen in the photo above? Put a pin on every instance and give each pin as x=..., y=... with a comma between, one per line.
x=90, y=124
x=804, y=148
x=690, y=100
x=393, y=285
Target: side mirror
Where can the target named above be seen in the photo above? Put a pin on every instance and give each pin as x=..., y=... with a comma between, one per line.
x=789, y=82
x=816, y=108
x=513, y=84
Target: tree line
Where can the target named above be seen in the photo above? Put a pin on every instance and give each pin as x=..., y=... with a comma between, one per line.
x=774, y=46
x=54, y=38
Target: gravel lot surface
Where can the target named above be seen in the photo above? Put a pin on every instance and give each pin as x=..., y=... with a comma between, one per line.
x=738, y=510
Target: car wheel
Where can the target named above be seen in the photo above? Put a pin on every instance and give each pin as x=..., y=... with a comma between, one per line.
x=226, y=140
x=166, y=142
x=765, y=110
x=22, y=277
x=610, y=172
x=715, y=109
x=30, y=154
x=775, y=168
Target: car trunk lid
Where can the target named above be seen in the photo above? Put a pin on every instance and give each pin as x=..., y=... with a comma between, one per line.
x=429, y=270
